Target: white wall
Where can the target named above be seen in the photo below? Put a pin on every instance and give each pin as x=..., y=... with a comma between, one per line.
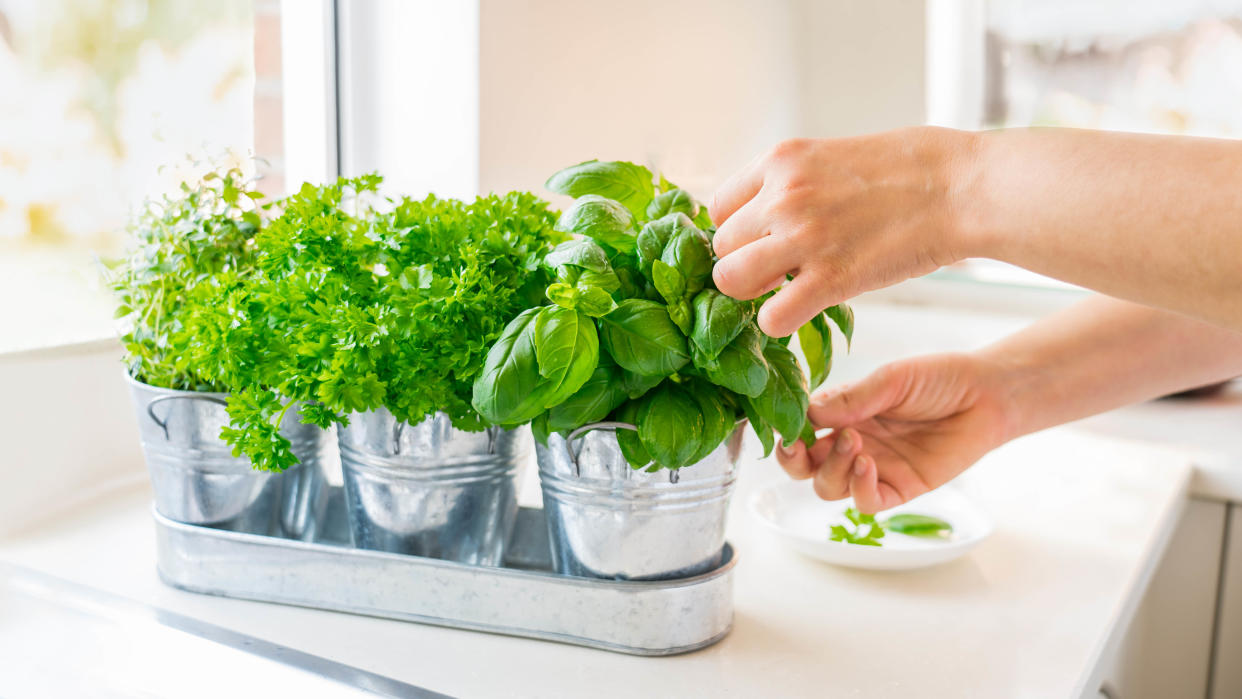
x=409, y=94
x=494, y=95
x=693, y=87
x=68, y=431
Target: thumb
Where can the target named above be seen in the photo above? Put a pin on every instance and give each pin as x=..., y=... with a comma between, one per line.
x=850, y=404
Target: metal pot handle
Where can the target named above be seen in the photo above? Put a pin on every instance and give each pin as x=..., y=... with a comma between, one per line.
x=164, y=423
x=673, y=475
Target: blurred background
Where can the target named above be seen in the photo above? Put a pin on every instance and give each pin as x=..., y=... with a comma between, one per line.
x=106, y=102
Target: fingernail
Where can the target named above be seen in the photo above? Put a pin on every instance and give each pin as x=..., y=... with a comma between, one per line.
x=860, y=465
x=845, y=443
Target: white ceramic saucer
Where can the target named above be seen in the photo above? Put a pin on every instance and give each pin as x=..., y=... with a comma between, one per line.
x=793, y=512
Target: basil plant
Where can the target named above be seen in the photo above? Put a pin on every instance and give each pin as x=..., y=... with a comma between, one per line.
x=633, y=330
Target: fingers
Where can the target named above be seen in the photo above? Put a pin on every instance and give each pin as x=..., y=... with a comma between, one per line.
x=745, y=226
x=735, y=192
x=795, y=304
x=832, y=476
x=800, y=461
x=755, y=269
x=847, y=405
x=795, y=461
x=870, y=493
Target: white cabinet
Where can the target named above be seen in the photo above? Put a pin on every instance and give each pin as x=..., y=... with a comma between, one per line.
x=1227, y=674
x=1167, y=650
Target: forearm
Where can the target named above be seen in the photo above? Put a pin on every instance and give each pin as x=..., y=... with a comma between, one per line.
x=1104, y=353
x=1153, y=219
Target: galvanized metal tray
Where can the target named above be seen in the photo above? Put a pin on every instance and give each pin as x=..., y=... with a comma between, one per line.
x=522, y=598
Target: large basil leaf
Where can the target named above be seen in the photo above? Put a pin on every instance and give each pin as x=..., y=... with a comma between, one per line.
x=509, y=390
x=599, y=396
x=682, y=315
x=642, y=338
x=668, y=281
x=690, y=252
x=631, y=446
x=718, y=418
x=655, y=236
x=595, y=301
x=672, y=201
x=579, y=252
x=605, y=220
x=636, y=385
x=843, y=316
x=567, y=350
x=762, y=429
x=562, y=295
x=815, y=339
x=784, y=401
x=670, y=425
x=607, y=280
x=624, y=182
x=592, y=300
x=630, y=280
x=717, y=320
x=741, y=367
x=539, y=428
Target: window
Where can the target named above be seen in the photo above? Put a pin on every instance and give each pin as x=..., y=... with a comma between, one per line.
x=1128, y=65
x=96, y=96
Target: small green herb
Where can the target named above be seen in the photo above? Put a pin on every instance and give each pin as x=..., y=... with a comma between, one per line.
x=866, y=530
x=178, y=245
x=923, y=526
x=351, y=305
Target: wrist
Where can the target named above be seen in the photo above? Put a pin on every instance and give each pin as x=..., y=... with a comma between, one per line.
x=970, y=227
x=1016, y=381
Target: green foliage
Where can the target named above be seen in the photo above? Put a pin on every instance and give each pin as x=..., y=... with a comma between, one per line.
x=862, y=529
x=675, y=357
x=179, y=245
x=348, y=309
x=865, y=530
x=922, y=526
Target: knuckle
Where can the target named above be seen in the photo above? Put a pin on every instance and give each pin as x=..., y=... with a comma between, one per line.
x=788, y=150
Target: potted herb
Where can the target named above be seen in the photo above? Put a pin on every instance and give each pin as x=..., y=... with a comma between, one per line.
x=181, y=248
x=634, y=368
x=376, y=316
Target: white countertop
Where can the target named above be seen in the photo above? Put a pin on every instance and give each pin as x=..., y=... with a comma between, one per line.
x=1081, y=520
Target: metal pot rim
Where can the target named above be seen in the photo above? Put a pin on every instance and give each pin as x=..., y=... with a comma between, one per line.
x=129, y=379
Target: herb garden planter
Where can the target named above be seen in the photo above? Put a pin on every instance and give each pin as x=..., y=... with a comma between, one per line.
x=197, y=480
x=608, y=520
x=430, y=489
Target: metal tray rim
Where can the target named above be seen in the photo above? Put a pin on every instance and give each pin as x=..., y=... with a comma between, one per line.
x=172, y=528
x=728, y=555
x=514, y=632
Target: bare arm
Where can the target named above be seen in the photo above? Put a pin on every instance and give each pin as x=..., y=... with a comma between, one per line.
x=1102, y=354
x=1151, y=219
x=916, y=424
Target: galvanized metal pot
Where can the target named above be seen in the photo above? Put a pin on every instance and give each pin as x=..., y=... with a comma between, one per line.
x=197, y=480
x=607, y=520
x=429, y=489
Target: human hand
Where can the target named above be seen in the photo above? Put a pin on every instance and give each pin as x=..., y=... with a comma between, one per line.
x=907, y=428
x=843, y=216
